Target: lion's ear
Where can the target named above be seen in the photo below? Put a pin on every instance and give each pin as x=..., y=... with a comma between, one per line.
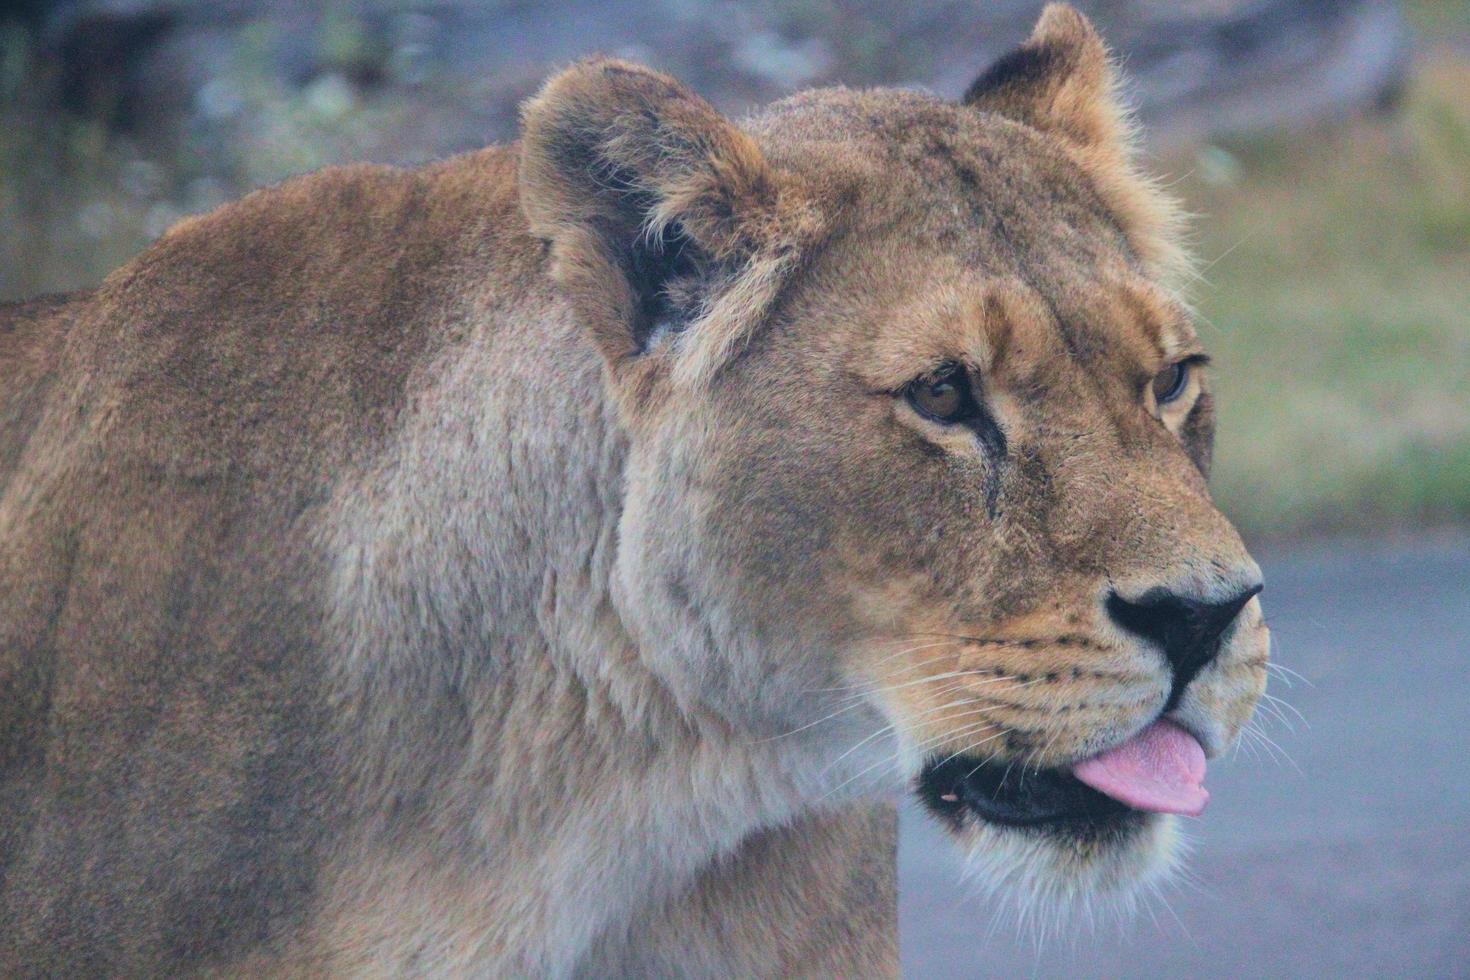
x=1061, y=81
x=657, y=207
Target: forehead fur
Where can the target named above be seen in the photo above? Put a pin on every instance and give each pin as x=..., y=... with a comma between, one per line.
x=946, y=219
x=999, y=195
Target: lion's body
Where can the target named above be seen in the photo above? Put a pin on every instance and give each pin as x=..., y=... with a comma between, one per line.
x=236, y=477
x=469, y=570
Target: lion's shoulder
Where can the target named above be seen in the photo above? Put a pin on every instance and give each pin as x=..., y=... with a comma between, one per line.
x=296, y=322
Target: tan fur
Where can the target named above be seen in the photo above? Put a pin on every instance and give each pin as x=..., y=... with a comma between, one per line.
x=529, y=565
x=1077, y=101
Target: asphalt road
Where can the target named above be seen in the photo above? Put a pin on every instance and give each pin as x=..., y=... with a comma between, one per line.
x=1351, y=860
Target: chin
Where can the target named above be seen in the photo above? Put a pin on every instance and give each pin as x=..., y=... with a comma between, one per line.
x=1051, y=851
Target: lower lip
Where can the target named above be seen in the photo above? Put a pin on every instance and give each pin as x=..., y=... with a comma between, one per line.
x=998, y=793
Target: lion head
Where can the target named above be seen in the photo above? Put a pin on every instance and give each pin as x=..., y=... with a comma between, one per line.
x=918, y=433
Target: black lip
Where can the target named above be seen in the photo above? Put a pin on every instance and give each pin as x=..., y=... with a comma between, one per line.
x=1013, y=795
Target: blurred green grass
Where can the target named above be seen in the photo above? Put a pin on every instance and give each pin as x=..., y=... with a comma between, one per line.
x=1336, y=295
x=1432, y=18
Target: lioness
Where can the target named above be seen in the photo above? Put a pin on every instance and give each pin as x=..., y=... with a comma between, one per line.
x=552, y=561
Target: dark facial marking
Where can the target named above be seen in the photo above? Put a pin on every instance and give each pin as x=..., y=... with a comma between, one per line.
x=1198, y=433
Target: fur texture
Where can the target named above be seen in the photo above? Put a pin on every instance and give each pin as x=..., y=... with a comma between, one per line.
x=531, y=564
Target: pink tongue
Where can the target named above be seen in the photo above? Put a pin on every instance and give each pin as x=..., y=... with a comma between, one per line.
x=1159, y=769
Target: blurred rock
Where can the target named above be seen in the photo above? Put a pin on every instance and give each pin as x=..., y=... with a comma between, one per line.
x=331, y=96
x=1200, y=69
x=768, y=55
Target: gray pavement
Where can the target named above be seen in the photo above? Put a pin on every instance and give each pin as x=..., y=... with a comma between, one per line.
x=1350, y=860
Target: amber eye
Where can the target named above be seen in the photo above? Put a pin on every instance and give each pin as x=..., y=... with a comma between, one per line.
x=1170, y=383
x=945, y=396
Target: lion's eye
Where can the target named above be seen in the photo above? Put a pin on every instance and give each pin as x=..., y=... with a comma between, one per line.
x=1170, y=383
x=945, y=396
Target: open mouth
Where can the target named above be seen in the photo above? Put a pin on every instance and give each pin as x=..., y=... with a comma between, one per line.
x=1015, y=796
x=1158, y=770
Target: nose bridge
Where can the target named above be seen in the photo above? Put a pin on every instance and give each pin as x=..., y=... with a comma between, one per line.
x=1142, y=515
x=1177, y=574
x=1192, y=551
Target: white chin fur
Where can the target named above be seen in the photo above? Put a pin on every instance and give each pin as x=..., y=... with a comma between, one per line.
x=1050, y=885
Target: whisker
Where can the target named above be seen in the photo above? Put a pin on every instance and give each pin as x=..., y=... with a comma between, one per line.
x=1282, y=702
x=868, y=692
x=833, y=764
x=850, y=687
x=1287, y=674
x=1242, y=745
x=856, y=703
x=1270, y=743
x=1199, y=274
x=1275, y=713
x=922, y=646
x=971, y=747
x=978, y=672
x=891, y=727
x=923, y=746
x=1038, y=756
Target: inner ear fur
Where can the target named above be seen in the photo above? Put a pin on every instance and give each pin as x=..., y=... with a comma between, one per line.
x=655, y=206
x=1062, y=82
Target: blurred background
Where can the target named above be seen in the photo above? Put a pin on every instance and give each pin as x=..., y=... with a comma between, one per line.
x=1324, y=146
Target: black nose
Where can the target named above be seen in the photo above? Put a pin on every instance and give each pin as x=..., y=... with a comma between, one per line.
x=1187, y=630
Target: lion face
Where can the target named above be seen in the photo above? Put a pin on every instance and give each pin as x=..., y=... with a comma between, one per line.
x=919, y=437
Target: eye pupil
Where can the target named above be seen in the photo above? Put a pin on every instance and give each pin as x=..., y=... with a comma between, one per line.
x=942, y=398
x=946, y=398
x=1170, y=383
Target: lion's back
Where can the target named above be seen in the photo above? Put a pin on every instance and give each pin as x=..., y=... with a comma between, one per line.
x=158, y=719
x=168, y=444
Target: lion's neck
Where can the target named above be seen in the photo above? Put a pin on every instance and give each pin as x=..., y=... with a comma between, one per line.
x=504, y=722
